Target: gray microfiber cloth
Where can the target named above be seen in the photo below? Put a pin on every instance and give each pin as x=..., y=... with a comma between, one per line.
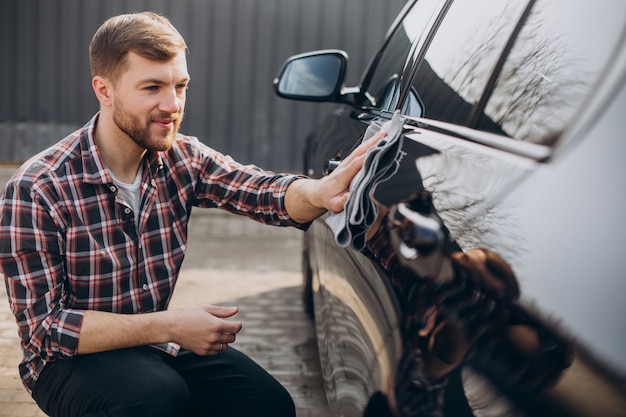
x=381, y=161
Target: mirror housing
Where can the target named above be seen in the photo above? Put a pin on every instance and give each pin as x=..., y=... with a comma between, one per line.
x=312, y=76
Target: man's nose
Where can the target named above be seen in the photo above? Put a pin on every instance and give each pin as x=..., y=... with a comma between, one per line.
x=170, y=102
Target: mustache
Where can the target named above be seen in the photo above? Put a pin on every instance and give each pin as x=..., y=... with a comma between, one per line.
x=167, y=116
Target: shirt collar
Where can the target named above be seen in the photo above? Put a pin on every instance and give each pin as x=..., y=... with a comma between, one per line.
x=94, y=169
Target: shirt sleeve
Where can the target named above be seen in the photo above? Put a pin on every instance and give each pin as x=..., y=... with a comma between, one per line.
x=31, y=259
x=243, y=189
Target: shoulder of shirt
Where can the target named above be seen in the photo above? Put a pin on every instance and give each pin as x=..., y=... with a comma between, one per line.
x=189, y=147
x=47, y=163
x=187, y=143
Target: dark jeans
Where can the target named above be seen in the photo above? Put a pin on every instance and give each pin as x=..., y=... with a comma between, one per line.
x=147, y=382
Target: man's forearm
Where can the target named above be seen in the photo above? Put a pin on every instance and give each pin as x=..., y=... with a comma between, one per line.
x=101, y=331
x=203, y=329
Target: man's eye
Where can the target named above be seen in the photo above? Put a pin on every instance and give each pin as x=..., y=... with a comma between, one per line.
x=152, y=87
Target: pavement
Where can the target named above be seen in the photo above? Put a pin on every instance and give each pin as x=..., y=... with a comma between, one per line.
x=231, y=260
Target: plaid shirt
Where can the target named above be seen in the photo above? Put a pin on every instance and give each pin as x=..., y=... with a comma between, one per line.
x=69, y=243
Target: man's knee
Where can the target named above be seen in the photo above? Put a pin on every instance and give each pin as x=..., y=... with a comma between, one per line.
x=163, y=398
x=126, y=383
x=151, y=391
x=150, y=398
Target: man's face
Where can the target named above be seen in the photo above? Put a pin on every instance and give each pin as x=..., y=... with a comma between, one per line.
x=149, y=100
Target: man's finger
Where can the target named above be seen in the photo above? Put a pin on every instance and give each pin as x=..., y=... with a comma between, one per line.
x=365, y=146
x=220, y=311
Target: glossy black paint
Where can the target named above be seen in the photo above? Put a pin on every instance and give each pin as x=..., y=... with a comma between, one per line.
x=487, y=151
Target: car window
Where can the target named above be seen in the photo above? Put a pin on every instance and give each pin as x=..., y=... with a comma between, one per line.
x=553, y=65
x=380, y=85
x=526, y=83
x=450, y=79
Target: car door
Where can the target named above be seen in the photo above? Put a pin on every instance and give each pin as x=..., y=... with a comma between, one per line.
x=503, y=100
x=355, y=313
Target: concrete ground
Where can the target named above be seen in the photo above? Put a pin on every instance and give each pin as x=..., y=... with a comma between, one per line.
x=231, y=261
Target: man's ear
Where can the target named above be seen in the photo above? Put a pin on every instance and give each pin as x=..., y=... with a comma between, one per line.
x=103, y=88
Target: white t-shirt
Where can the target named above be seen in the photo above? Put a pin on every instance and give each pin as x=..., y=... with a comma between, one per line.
x=130, y=192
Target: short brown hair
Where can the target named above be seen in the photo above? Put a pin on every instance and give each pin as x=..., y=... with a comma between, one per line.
x=147, y=34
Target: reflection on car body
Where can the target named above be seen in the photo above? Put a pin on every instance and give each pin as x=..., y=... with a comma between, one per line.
x=505, y=216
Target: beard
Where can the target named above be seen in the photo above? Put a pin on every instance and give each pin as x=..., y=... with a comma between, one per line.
x=139, y=131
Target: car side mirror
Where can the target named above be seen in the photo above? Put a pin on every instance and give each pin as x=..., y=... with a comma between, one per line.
x=314, y=76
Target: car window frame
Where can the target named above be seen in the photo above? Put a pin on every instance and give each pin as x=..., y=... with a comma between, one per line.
x=387, y=106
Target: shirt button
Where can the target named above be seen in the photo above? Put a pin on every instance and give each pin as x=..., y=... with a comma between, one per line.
x=113, y=188
x=127, y=210
x=145, y=287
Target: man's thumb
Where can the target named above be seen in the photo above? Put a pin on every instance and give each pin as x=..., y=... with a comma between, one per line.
x=221, y=311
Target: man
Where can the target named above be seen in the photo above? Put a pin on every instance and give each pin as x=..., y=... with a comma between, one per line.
x=93, y=234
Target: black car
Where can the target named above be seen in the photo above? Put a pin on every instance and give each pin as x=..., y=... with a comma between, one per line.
x=505, y=214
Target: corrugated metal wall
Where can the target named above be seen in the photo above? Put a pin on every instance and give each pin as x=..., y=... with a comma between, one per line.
x=236, y=48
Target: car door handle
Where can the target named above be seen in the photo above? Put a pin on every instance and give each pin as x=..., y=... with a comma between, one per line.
x=330, y=166
x=420, y=239
x=416, y=224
